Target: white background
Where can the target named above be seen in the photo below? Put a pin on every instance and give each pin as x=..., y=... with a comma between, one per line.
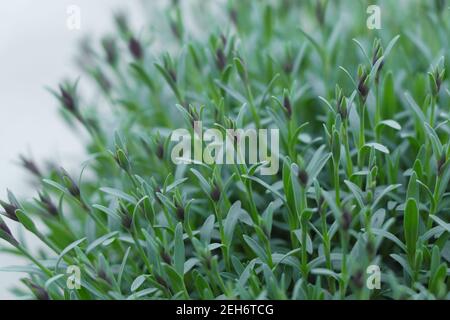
x=37, y=50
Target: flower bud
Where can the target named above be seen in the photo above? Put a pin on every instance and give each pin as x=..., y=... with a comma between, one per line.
x=135, y=48
x=30, y=165
x=160, y=151
x=68, y=100
x=341, y=103
x=363, y=89
x=221, y=60
x=161, y=281
x=70, y=184
x=287, y=105
x=346, y=220
x=180, y=212
x=166, y=258
x=10, y=210
x=39, y=292
x=5, y=233
x=121, y=159
x=303, y=177
x=48, y=204
x=215, y=193
x=357, y=279
x=441, y=164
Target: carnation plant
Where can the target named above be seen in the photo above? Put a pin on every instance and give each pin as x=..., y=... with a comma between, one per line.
x=359, y=208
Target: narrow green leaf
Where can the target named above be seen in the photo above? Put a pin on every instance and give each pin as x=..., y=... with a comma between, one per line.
x=179, y=254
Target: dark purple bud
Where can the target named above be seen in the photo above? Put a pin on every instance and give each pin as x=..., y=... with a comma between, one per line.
x=357, y=279
x=287, y=106
x=346, y=220
x=288, y=67
x=68, y=101
x=172, y=74
x=10, y=210
x=31, y=166
x=39, y=292
x=160, y=151
x=166, y=258
x=161, y=281
x=127, y=221
x=441, y=164
x=8, y=234
x=180, y=212
x=363, y=89
x=303, y=177
x=370, y=247
x=215, y=194
x=71, y=185
x=102, y=275
x=48, y=204
x=135, y=48
x=221, y=60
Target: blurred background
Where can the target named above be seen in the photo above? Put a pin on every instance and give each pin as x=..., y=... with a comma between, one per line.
x=36, y=51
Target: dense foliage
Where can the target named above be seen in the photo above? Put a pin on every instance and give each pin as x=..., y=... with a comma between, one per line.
x=364, y=158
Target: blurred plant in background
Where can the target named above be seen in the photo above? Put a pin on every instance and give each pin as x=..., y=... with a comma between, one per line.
x=363, y=119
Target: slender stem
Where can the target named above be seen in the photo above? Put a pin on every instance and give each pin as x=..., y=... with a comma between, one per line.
x=336, y=183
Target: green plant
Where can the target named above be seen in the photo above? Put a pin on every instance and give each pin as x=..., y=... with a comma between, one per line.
x=364, y=158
